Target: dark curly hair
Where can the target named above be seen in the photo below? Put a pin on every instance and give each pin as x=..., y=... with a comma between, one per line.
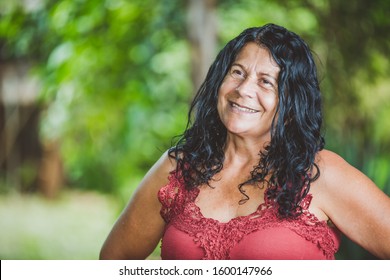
x=289, y=158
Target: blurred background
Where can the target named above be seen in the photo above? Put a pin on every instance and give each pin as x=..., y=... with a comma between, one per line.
x=93, y=91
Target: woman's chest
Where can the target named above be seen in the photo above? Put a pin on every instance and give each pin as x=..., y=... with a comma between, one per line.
x=260, y=235
x=225, y=200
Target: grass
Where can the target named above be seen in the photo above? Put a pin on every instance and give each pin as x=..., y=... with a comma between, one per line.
x=71, y=227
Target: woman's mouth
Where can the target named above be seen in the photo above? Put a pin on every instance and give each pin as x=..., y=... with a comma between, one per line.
x=243, y=109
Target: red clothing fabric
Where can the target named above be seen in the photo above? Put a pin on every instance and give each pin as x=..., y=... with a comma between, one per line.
x=260, y=235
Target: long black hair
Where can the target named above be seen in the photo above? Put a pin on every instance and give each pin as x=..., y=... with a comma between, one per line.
x=289, y=159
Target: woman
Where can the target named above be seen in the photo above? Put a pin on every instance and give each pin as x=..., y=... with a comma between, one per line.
x=249, y=179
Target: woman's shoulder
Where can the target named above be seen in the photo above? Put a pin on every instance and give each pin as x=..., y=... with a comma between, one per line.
x=326, y=157
x=167, y=162
x=158, y=174
x=353, y=202
x=335, y=175
x=332, y=183
x=339, y=180
x=332, y=166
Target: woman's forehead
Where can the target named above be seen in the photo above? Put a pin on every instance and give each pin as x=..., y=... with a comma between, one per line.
x=257, y=57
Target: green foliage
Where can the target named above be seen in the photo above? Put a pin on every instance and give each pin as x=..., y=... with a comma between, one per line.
x=115, y=81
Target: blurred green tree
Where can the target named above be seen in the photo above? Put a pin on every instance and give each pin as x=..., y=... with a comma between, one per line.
x=114, y=65
x=115, y=78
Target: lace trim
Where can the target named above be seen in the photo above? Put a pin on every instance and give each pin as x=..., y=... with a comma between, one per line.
x=180, y=210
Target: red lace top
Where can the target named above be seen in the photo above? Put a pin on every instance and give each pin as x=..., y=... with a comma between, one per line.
x=260, y=235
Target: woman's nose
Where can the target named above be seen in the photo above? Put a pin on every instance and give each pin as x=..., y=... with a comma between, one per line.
x=248, y=88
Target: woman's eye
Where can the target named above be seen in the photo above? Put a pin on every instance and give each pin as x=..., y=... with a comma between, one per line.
x=266, y=82
x=237, y=73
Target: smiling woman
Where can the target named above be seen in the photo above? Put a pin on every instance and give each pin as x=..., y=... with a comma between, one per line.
x=250, y=178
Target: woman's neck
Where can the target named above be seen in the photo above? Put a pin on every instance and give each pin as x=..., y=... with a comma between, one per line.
x=242, y=151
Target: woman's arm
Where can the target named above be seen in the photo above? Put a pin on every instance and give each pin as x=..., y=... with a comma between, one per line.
x=355, y=204
x=140, y=227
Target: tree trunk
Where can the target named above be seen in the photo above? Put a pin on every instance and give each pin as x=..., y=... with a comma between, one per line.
x=201, y=24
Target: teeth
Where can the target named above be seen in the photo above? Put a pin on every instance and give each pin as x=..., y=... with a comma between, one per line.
x=242, y=109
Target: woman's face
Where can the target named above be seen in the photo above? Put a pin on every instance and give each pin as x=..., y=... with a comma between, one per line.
x=248, y=96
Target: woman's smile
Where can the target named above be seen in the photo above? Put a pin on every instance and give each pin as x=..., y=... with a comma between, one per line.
x=242, y=109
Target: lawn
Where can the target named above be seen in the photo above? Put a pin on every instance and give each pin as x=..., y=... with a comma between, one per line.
x=71, y=227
